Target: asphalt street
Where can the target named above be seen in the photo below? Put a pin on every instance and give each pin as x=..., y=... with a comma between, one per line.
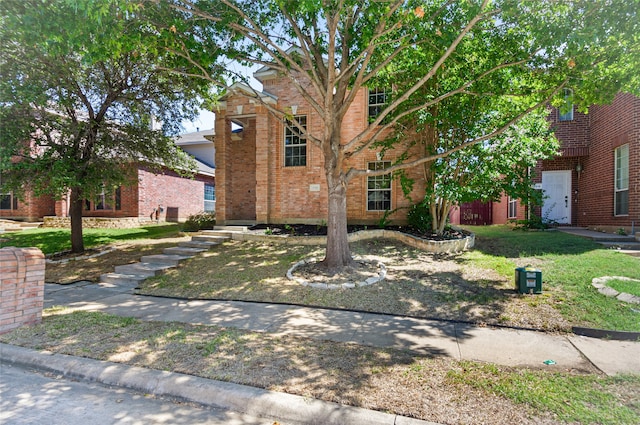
x=31, y=397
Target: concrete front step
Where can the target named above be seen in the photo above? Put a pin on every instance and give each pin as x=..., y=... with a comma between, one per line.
x=229, y=228
x=143, y=269
x=210, y=238
x=198, y=244
x=122, y=279
x=171, y=259
x=181, y=250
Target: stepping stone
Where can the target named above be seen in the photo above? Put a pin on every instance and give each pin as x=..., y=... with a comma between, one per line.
x=210, y=238
x=173, y=260
x=180, y=250
x=198, y=244
x=142, y=269
x=121, y=279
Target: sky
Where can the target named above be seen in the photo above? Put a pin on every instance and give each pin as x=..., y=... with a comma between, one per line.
x=205, y=121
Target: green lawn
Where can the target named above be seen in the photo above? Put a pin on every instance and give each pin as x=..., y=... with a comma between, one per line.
x=568, y=263
x=630, y=287
x=56, y=240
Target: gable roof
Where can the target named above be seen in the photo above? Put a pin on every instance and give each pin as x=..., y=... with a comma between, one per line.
x=197, y=137
x=205, y=169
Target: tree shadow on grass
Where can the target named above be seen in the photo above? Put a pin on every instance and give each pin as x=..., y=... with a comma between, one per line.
x=418, y=284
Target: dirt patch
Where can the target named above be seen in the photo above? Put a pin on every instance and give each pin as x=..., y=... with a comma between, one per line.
x=358, y=271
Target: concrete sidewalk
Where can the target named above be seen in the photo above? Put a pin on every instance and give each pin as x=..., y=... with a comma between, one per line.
x=426, y=337
x=461, y=341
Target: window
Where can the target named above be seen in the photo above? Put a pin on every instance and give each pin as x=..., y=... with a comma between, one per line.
x=622, y=180
x=295, y=141
x=377, y=101
x=379, y=188
x=8, y=202
x=565, y=112
x=106, y=201
x=103, y=201
x=513, y=208
x=209, y=197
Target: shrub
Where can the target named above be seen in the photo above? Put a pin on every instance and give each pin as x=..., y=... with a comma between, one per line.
x=200, y=221
x=419, y=217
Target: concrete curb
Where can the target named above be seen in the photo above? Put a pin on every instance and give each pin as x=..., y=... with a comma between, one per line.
x=225, y=395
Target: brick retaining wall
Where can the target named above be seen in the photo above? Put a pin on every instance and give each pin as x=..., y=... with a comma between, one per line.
x=97, y=222
x=21, y=287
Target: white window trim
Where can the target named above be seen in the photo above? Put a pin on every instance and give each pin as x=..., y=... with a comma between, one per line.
x=386, y=164
x=617, y=170
x=512, y=203
x=302, y=139
x=13, y=202
x=376, y=91
x=209, y=201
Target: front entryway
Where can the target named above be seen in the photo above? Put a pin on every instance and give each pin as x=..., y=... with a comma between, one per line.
x=556, y=188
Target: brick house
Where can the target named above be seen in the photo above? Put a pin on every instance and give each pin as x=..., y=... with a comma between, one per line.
x=163, y=196
x=595, y=182
x=31, y=208
x=266, y=172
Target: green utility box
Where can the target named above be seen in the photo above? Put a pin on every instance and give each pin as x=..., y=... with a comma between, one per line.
x=528, y=280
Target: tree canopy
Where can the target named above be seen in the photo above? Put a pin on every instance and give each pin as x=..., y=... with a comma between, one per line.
x=519, y=54
x=80, y=83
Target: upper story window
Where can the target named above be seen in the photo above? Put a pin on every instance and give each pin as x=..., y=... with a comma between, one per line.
x=295, y=141
x=377, y=101
x=565, y=112
x=379, y=188
x=621, y=201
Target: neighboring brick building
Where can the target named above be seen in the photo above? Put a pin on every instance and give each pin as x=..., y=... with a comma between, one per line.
x=267, y=173
x=30, y=208
x=172, y=197
x=595, y=182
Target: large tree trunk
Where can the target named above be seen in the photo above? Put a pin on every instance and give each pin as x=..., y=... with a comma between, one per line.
x=75, y=212
x=338, y=254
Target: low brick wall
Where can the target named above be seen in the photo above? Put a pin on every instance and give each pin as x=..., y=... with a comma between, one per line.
x=95, y=222
x=21, y=287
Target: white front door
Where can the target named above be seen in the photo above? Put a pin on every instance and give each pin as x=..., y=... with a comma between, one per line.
x=556, y=188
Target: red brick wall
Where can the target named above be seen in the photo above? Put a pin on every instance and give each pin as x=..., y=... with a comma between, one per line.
x=589, y=141
x=21, y=287
x=128, y=205
x=180, y=197
x=31, y=208
x=611, y=126
x=289, y=194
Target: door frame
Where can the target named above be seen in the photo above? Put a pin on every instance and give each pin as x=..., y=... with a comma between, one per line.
x=567, y=194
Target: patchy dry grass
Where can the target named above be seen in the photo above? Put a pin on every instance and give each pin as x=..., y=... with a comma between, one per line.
x=435, y=389
x=417, y=284
x=91, y=268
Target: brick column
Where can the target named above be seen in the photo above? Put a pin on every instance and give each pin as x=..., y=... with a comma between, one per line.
x=21, y=287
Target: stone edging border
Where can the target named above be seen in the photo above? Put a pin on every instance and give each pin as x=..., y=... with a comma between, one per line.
x=448, y=246
x=347, y=285
x=600, y=284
